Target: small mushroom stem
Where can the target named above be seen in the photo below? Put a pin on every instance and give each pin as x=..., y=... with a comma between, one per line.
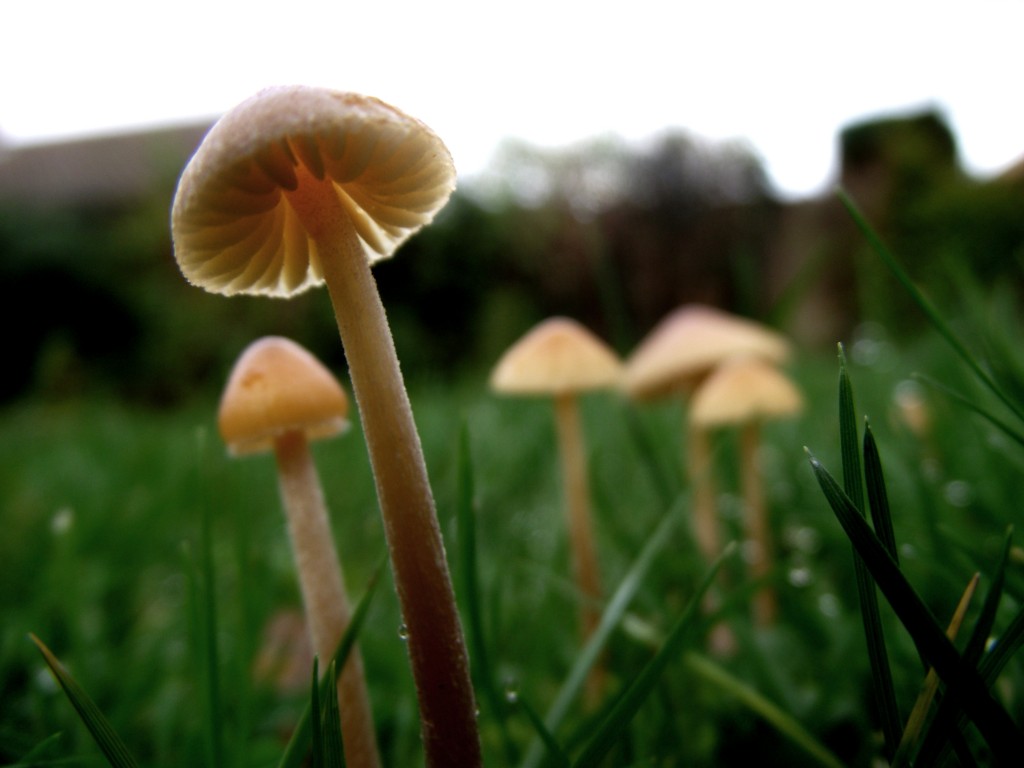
x=435, y=641
x=323, y=591
x=577, y=499
x=765, y=606
x=706, y=529
x=699, y=469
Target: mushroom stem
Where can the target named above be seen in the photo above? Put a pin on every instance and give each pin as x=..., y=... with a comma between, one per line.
x=435, y=640
x=765, y=607
x=705, y=522
x=577, y=498
x=323, y=591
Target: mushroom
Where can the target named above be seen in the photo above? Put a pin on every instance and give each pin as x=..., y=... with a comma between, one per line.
x=560, y=358
x=745, y=391
x=278, y=398
x=672, y=360
x=299, y=186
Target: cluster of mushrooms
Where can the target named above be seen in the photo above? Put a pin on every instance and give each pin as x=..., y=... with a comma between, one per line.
x=726, y=370
x=298, y=187
x=293, y=188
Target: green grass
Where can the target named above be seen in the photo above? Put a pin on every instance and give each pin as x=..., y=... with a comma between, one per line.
x=150, y=563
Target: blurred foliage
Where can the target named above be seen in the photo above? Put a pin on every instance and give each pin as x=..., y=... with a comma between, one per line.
x=612, y=233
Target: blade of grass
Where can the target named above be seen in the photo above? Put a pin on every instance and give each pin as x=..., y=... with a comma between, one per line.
x=916, y=720
x=95, y=721
x=298, y=744
x=331, y=749
x=34, y=756
x=208, y=625
x=554, y=755
x=613, y=613
x=639, y=689
x=972, y=405
x=882, y=687
x=768, y=710
x=467, y=540
x=925, y=305
x=949, y=714
x=878, y=499
x=962, y=680
x=316, y=717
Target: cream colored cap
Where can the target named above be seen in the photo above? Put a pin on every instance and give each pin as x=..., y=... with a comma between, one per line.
x=744, y=389
x=278, y=386
x=235, y=232
x=558, y=356
x=688, y=343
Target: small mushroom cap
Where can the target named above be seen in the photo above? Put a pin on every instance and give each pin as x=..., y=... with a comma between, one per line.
x=558, y=356
x=233, y=228
x=688, y=343
x=278, y=386
x=744, y=389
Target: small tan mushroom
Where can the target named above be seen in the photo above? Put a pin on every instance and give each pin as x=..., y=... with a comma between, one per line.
x=561, y=359
x=672, y=360
x=689, y=342
x=745, y=391
x=278, y=398
x=299, y=186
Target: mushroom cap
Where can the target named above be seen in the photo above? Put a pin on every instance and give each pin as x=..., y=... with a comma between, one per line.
x=277, y=386
x=557, y=356
x=232, y=226
x=742, y=389
x=688, y=343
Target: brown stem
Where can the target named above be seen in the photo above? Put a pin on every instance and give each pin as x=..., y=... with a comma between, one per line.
x=577, y=499
x=435, y=641
x=765, y=606
x=323, y=591
x=705, y=519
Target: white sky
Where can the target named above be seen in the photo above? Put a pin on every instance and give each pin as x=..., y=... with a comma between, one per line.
x=783, y=75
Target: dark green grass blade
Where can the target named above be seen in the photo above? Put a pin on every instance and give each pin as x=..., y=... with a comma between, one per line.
x=299, y=743
x=882, y=687
x=627, y=705
x=95, y=721
x=949, y=715
x=554, y=755
x=613, y=613
x=971, y=404
x=331, y=748
x=316, y=711
x=763, y=707
x=963, y=681
x=926, y=306
x=34, y=757
x=476, y=638
x=878, y=499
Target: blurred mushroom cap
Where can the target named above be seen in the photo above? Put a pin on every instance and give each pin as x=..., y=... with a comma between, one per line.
x=558, y=356
x=232, y=226
x=277, y=386
x=688, y=343
x=744, y=389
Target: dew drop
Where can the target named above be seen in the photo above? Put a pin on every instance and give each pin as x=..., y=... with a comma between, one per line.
x=403, y=631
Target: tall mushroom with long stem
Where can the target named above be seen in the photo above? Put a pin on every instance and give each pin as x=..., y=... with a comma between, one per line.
x=744, y=392
x=278, y=398
x=561, y=359
x=299, y=186
x=672, y=360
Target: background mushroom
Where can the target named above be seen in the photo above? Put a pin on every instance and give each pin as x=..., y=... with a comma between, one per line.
x=744, y=391
x=298, y=186
x=671, y=361
x=560, y=358
x=278, y=397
